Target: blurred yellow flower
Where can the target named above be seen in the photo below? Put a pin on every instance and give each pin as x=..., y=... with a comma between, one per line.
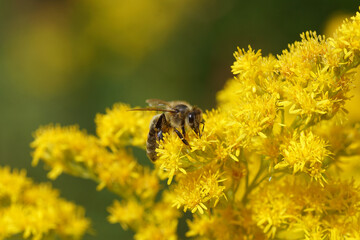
x=134, y=28
x=35, y=210
x=126, y=213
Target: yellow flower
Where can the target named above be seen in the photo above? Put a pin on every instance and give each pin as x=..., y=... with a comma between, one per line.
x=146, y=185
x=200, y=226
x=121, y=127
x=272, y=208
x=149, y=232
x=295, y=206
x=161, y=221
x=305, y=153
x=152, y=23
x=196, y=189
x=12, y=184
x=61, y=147
x=118, y=169
x=313, y=88
x=227, y=223
x=175, y=157
x=255, y=73
x=127, y=213
x=267, y=164
x=149, y=220
x=170, y=158
x=346, y=43
x=73, y=151
x=36, y=211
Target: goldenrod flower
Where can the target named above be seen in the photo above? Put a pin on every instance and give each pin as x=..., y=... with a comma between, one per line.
x=150, y=221
x=297, y=207
x=67, y=150
x=126, y=213
x=35, y=210
x=70, y=150
x=228, y=223
x=161, y=222
x=166, y=231
x=270, y=162
x=305, y=153
x=196, y=189
x=120, y=127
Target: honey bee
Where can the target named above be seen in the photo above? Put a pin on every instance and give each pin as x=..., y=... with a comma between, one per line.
x=177, y=116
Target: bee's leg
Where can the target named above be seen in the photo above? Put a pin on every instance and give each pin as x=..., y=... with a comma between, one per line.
x=181, y=137
x=183, y=130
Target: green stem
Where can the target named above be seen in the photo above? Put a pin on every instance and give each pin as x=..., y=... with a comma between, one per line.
x=282, y=115
x=297, y=122
x=254, y=182
x=247, y=169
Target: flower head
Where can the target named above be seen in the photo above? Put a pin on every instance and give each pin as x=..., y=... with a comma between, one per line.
x=121, y=126
x=195, y=190
x=35, y=210
x=305, y=153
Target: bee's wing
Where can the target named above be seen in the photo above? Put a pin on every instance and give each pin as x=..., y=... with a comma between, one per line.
x=153, y=109
x=158, y=103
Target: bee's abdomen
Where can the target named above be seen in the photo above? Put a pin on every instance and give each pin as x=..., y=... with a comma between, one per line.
x=151, y=143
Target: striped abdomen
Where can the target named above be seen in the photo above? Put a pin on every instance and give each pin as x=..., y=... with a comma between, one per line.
x=151, y=143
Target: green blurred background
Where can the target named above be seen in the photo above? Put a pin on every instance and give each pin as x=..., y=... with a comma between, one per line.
x=64, y=61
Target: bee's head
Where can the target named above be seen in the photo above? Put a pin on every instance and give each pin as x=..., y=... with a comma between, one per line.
x=194, y=119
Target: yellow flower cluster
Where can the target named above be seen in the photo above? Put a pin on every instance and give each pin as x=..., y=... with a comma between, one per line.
x=35, y=211
x=121, y=127
x=70, y=150
x=67, y=149
x=267, y=165
x=305, y=154
x=152, y=221
x=307, y=210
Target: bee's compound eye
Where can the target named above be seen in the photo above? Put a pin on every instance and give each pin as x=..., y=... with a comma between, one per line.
x=191, y=117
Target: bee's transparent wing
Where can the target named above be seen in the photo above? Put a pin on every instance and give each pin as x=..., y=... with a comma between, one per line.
x=153, y=109
x=157, y=103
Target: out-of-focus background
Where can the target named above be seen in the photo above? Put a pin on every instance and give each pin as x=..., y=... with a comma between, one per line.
x=64, y=61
